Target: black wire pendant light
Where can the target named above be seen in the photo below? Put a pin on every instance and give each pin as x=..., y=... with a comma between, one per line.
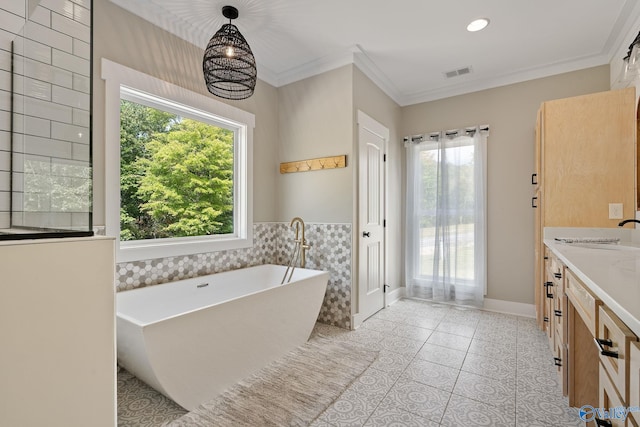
x=228, y=65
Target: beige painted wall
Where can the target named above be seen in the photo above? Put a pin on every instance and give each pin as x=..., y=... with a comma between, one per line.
x=511, y=113
x=315, y=120
x=58, y=334
x=315, y=117
x=133, y=42
x=370, y=99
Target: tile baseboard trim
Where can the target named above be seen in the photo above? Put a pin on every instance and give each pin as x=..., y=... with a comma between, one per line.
x=509, y=307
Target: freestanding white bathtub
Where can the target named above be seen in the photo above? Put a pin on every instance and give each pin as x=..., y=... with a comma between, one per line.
x=192, y=339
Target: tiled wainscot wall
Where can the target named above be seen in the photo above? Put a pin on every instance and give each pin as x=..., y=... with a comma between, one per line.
x=273, y=243
x=51, y=113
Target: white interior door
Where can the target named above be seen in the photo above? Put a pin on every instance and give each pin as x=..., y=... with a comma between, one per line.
x=372, y=139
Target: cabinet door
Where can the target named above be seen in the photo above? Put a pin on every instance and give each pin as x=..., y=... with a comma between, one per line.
x=634, y=383
x=540, y=252
x=560, y=360
x=536, y=177
x=556, y=274
x=586, y=158
x=583, y=364
x=559, y=315
x=615, y=339
x=548, y=309
x=609, y=397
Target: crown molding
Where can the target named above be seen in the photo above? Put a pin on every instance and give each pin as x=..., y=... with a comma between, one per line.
x=504, y=80
x=371, y=70
x=315, y=67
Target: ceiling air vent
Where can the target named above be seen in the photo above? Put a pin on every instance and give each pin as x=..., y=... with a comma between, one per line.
x=458, y=72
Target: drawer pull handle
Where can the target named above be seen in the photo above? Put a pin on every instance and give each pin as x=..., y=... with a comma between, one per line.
x=546, y=257
x=603, y=342
x=557, y=361
x=546, y=319
x=558, y=313
x=534, y=179
x=546, y=286
x=533, y=202
x=557, y=275
x=603, y=423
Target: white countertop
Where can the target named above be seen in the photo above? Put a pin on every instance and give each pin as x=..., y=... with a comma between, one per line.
x=612, y=275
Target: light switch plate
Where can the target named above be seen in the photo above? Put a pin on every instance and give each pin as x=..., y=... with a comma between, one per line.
x=615, y=210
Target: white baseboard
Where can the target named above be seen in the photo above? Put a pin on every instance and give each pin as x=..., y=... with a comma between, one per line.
x=495, y=305
x=356, y=321
x=395, y=295
x=509, y=307
x=390, y=298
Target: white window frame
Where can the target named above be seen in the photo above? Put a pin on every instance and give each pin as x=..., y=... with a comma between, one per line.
x=125, y=83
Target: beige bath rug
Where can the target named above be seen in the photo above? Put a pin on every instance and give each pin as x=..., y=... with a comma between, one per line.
x=292, y=391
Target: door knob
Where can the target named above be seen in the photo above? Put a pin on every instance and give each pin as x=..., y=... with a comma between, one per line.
x=366, y=234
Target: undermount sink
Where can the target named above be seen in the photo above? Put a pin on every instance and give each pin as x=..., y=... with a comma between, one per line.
x=609, y=246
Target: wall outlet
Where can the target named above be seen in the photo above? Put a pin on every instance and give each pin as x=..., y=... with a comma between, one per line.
x=615, y=210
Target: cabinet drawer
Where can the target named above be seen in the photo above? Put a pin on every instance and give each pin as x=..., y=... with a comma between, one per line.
x=556, y=269
x=558, y=316
x=549, y=321
x=585, y=303
x=608, y=396
x=614, y=339
x=634, y=383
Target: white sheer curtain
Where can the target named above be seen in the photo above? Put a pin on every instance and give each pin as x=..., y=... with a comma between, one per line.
x=446, y=215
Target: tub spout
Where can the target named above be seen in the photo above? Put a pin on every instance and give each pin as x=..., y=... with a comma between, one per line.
x=299, y=249
x=300, y=239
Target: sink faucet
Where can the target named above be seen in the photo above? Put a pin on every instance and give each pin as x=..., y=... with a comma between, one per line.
x=300, y=239
x=622, y=223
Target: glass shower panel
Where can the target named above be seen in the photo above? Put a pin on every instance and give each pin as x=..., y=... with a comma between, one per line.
x=50, y=162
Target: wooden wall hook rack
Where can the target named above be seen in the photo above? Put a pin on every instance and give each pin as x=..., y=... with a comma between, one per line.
x=314, y=164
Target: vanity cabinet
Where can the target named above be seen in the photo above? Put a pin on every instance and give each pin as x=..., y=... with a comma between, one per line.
x=634, y=383
x=584, y=161
x=547, y=298
x=555, y=308
x=596, y=353
x=608, y=397
x=614, y=339
x=582, y=356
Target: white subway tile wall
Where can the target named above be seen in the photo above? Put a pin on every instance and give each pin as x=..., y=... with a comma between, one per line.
x=5, y=140
x=51, y=113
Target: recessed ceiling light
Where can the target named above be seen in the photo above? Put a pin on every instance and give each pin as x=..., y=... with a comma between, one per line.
x=478, y=24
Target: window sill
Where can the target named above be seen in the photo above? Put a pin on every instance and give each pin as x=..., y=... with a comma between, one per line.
x=164, y=248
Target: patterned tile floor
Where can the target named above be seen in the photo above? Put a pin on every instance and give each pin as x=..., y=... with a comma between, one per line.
x=439, y=365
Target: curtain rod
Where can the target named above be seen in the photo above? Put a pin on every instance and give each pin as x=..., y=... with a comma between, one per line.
x=435, y=136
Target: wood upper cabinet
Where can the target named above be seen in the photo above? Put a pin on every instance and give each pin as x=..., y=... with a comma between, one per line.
x=536, y=176
x=585, y=156
x=588, y=146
